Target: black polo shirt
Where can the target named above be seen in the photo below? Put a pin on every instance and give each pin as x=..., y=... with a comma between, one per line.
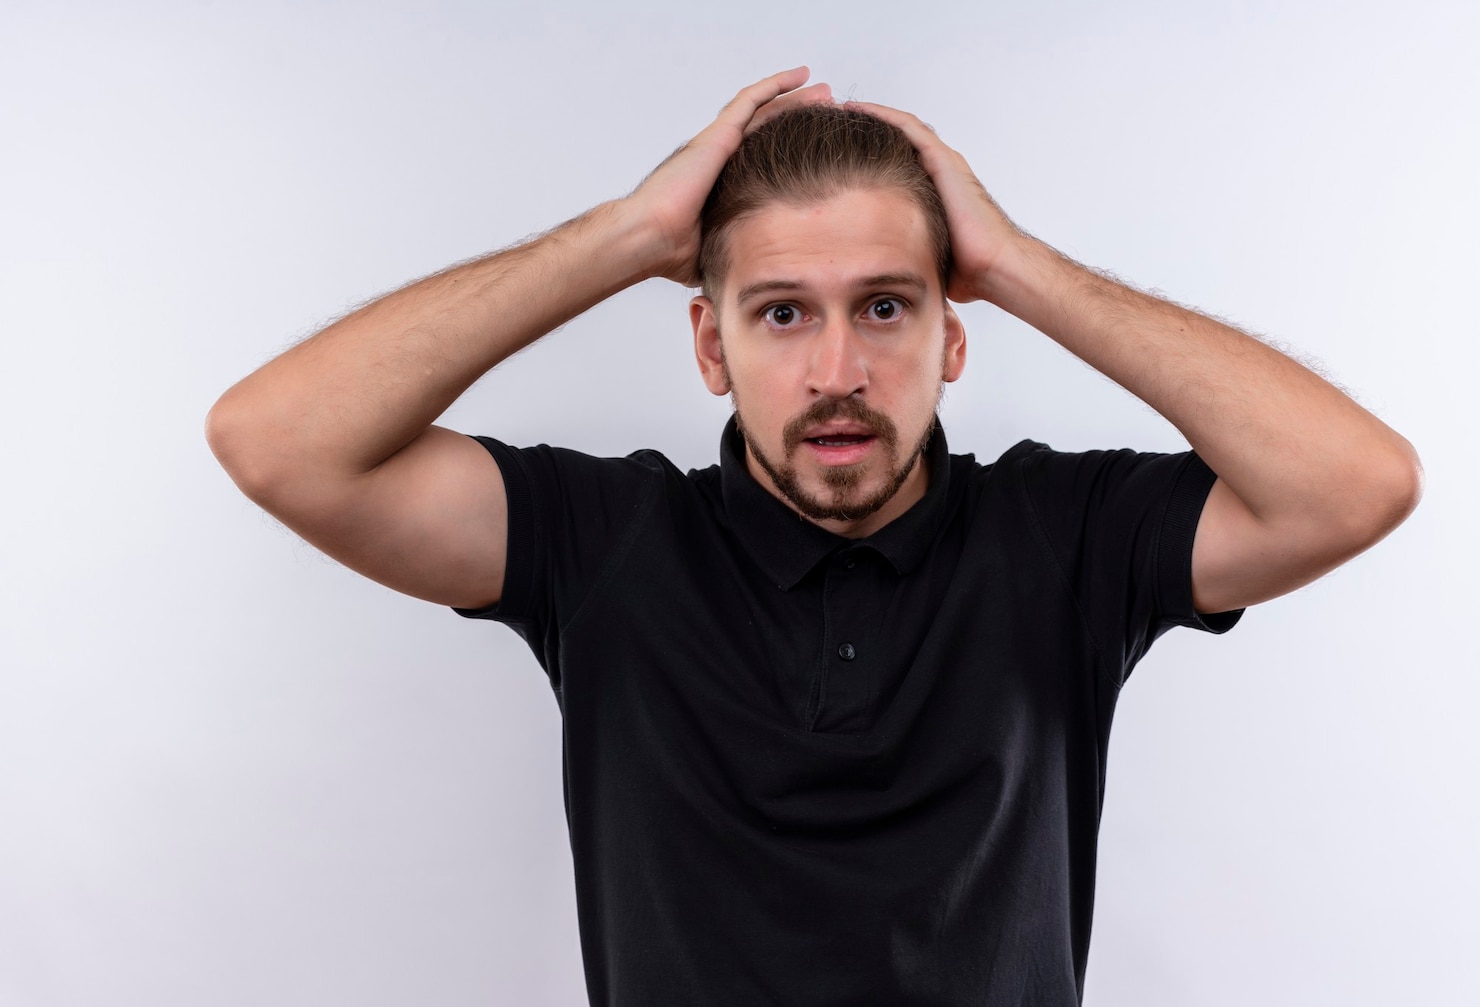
x=805, y=769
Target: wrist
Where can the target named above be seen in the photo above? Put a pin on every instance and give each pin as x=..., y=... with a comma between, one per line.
x=623, y=241
x=1022, y=269
x=651, y=247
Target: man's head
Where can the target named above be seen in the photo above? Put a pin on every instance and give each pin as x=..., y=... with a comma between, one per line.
x=803, y=156
x=824, y=260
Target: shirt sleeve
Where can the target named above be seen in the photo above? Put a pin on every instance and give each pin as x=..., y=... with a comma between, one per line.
x=1120, y=526
x=570, y=515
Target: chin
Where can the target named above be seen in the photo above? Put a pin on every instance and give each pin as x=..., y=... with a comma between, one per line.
x=842, y=494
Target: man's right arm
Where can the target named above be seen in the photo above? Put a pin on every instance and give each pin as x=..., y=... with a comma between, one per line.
x=335, y=436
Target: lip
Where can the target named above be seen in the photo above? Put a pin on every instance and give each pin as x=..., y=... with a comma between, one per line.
x=840, y=428
x=841, y=454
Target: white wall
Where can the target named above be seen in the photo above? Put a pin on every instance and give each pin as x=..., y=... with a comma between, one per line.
x=233, y=773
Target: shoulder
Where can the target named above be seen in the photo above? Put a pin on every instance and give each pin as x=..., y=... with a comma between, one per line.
x=1032, y=475
x=1028, y=454
x=545, y=464
x=967, y=470
x=1023, y=451
x=1037, y=462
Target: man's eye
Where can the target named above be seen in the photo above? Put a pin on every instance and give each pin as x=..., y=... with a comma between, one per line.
x=885, y=309
x=781, y=314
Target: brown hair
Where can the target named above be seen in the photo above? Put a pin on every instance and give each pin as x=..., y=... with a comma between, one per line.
x=808, y=154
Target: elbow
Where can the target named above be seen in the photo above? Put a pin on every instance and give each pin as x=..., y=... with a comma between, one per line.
x=238, y=447
x=1393, y=494
x=1407, y=484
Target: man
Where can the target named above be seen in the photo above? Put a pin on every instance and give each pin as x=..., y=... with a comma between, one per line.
x=836, y=710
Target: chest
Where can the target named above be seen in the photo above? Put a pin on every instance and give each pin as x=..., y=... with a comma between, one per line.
x=977, y=640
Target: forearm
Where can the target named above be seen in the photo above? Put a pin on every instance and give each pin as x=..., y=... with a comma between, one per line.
x=1288, y=443
x=343, y=401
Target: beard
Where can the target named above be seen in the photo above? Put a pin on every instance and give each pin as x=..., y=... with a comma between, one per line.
x=841, y=501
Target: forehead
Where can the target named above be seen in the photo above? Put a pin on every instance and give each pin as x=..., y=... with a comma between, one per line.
x=829, y=246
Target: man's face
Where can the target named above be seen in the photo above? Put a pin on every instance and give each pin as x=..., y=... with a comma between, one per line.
x=833, y=337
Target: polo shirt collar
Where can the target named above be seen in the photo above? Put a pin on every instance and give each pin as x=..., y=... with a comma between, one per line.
x=788, y=546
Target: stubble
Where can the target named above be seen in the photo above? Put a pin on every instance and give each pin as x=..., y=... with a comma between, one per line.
x=842, y=502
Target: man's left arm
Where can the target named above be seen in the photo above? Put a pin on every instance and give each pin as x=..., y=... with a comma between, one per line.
x=1307, y=478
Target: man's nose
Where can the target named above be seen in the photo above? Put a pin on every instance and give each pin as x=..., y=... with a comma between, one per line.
x=838, y=365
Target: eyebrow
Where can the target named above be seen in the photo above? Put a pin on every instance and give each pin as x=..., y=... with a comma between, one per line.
x=911, y=280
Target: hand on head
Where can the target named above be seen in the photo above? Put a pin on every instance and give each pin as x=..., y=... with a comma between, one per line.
x=980, y=232
x=669, y=200
x=809, y=95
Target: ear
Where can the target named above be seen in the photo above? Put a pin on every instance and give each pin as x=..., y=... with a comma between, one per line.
x=955, y=346
x=706, y=345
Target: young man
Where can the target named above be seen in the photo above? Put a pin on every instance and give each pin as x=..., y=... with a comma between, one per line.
x=835, y=710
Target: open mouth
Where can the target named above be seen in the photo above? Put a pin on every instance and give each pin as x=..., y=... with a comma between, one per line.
x=841, y=449
x=838, y=433
x=840, y=440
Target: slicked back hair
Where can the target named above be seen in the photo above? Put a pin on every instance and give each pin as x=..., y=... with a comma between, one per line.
x=804, y=156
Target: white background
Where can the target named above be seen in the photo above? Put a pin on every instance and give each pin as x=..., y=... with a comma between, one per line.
x=234, y=773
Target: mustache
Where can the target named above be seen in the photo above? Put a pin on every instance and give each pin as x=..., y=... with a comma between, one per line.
x=850, y=408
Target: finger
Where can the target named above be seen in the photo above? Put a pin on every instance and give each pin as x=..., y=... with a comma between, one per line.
x=920, y=133
x=743, y=106
x=750, y=98
x=812, y=94
x=721, y=137
x=802, y=96
x=936, y=156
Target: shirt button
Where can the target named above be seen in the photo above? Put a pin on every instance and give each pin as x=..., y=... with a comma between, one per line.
x=846, y=651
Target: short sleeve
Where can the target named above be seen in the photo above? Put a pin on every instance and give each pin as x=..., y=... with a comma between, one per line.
x=570, y=516
x=1120, y=526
